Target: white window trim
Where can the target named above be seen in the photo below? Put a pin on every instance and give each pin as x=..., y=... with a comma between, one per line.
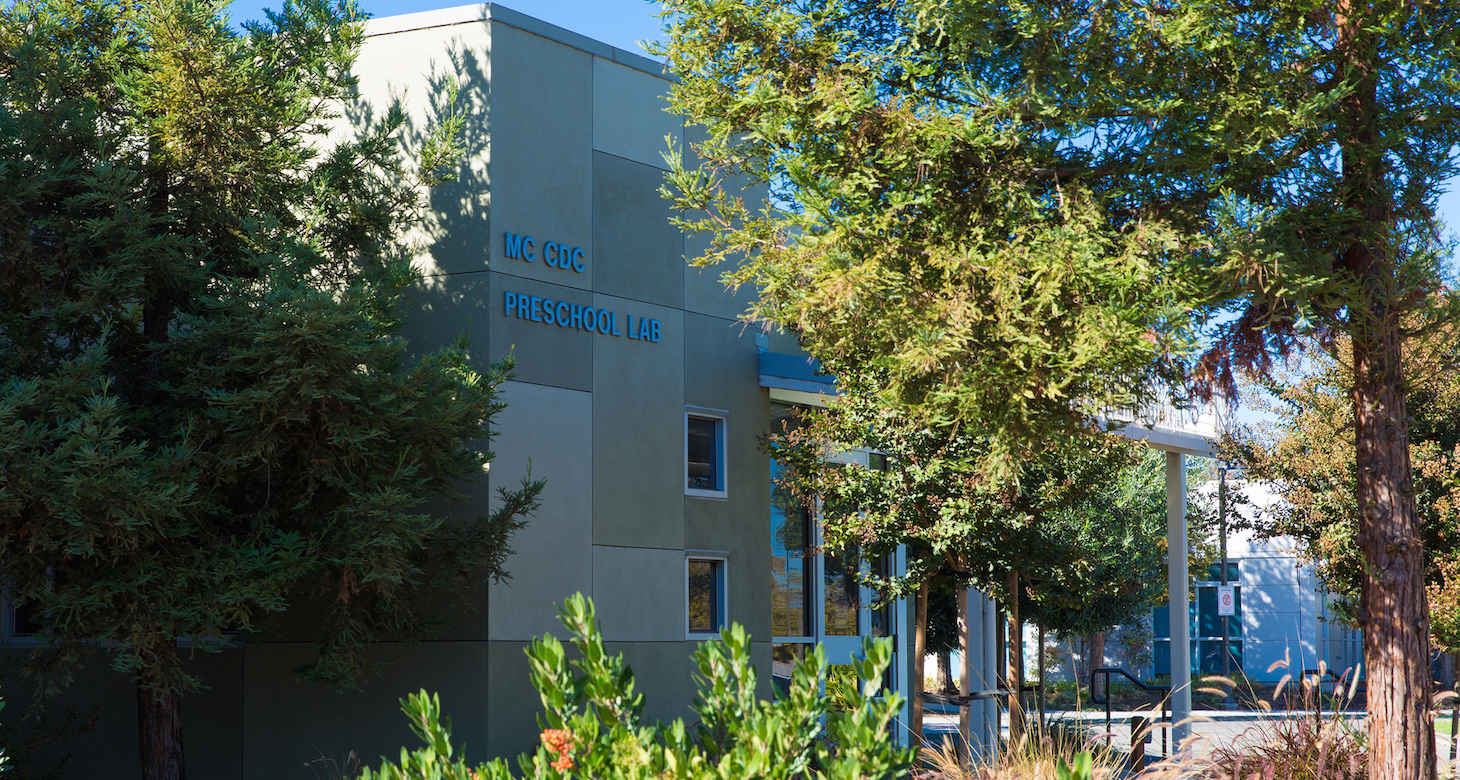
x=724, y=464
x=721, y=591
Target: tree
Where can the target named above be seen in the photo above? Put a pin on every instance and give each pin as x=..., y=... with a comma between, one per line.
x=1080, y=527
x=1021, y=212
x=205, y=411
x=1307, y=455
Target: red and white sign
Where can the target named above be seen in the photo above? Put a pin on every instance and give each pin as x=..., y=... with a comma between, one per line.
x=1226, y=600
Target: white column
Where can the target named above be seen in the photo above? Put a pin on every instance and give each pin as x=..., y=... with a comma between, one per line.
x=1178, y=582
x=902, y=629
x=990, y=676
x=970, y=657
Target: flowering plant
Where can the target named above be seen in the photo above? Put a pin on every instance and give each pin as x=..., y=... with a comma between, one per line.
x=592, y=719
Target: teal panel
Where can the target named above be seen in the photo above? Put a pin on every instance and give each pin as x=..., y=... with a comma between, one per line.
x=542, y=166
x=640, y=593
x=546, y=353
x=440, y=309
x=720, y=371
x=550, y=430
x=629, y=116
x=512, y=705
x=413, y=67
x=638, y=430
x=639, y=254
x=294, y=728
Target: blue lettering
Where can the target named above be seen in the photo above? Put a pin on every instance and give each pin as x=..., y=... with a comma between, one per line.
x=518, y=247
x=630, y=326
x=536, y=314
x=562, y=314
x=578, y=264
x=643, y=329
x=576, y=319
x=613, y=323
x=550, y=253
x=509, y=304
x=590, y=319
x=547, y=310
x=654, y=335
x=604, y=321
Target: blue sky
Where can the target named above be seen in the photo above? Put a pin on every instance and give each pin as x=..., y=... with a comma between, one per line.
x=622, y=23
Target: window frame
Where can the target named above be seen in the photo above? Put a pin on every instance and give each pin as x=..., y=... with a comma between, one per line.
x=721, y=419
x=721, y=560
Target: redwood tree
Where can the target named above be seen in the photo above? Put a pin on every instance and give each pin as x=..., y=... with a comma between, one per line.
x=205, y=409
x=1023, y=214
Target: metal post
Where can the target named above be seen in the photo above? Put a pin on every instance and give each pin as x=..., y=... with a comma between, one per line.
x=1178, y=583
x=1140, y=734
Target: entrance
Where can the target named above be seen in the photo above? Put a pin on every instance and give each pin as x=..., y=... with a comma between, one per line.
x=817, y=593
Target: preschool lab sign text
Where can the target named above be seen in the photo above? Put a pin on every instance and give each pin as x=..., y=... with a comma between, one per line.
x=571, y=315
x=564, y=257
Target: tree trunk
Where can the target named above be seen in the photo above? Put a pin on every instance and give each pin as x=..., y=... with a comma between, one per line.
x=1095, y=650
x=1395, y=612
x=159, y=732
x=1396, y=618
x=945, y=672
x=1016, y=663
x=920, y=653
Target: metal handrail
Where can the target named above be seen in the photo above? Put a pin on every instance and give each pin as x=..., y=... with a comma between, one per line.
x=1106, y=672
x=959, y=700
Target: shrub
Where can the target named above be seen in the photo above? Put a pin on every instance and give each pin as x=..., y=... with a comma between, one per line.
x=592, y=724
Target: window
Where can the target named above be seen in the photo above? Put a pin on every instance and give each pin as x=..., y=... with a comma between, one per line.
x=19, y=624
x=705, y=591
x=1205, y=626
x=704, y=453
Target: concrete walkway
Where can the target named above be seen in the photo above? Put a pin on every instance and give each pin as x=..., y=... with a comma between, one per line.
x=1210, y=729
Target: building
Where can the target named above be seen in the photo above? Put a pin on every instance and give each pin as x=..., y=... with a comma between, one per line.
x=1281, y=621
x=639, y=397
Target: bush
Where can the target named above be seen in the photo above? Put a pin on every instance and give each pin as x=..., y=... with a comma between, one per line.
x=592, y=725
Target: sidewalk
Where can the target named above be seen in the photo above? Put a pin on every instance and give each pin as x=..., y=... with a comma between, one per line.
x=1209, y=728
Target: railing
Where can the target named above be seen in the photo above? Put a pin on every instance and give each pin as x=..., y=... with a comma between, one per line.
x=1106, y=672
x=1205, y=419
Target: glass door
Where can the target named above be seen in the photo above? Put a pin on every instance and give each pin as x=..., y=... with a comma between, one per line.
x=817, y=593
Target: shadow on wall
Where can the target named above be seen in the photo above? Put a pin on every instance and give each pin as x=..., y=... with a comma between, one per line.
x=454, y=235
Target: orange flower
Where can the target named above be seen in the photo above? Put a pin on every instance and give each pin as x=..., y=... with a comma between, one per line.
x=561, y=742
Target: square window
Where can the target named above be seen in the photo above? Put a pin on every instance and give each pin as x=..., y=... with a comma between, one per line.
x=20, y=623
x=706, y=595
x=704, y=455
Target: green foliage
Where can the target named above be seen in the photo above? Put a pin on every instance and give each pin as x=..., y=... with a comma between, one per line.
x=1015, y=217
x=1080, y=767
x=1306, y=454
x=1083, y=522
x=207, y=411
x=592, y=721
